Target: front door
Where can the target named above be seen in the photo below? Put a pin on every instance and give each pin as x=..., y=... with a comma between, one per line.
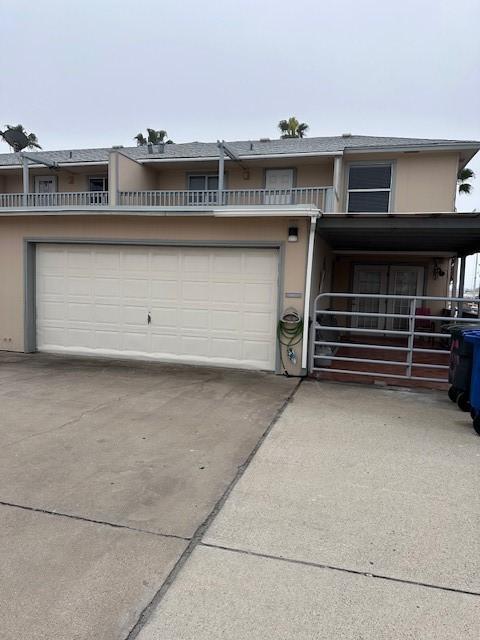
x=397, y=280
x=403, y=281
x=279, y=185
x=369, y=279
x=45, y=184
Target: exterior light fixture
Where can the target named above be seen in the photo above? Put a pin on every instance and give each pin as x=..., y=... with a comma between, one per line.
x=292, y=234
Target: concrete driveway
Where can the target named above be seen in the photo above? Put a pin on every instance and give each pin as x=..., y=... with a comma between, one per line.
x=108, y=471
x=357, y=519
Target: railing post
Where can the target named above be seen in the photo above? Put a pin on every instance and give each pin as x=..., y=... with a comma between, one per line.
x=411, y=336
x=26, y=180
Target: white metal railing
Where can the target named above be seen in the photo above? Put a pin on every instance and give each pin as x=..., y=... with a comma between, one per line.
x=320, y=197
x=390, y=323
x=64, y=199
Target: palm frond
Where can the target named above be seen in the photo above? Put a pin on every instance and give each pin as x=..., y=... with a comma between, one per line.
x=465, y=188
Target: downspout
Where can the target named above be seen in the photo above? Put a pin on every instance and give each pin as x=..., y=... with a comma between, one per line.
x=308, y=286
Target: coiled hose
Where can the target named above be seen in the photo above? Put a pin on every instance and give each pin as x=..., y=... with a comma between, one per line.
x=289, y=333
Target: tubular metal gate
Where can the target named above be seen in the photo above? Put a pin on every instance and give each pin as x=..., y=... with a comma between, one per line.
x=390, y=323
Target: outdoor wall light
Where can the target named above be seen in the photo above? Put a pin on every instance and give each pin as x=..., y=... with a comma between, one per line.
x=292, y=234
x=438, y=272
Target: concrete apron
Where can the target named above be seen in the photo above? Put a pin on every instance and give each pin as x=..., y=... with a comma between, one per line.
x=357, y=518
x=108, y=470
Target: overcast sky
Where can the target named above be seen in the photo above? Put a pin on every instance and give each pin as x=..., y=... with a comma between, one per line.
x=96, y=72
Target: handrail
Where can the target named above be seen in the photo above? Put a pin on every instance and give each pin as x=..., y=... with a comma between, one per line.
x=56, y=199
x=316, y=196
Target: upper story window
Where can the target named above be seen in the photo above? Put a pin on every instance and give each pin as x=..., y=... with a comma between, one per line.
x=203, y=182
x=98, y=183
x=369, y=188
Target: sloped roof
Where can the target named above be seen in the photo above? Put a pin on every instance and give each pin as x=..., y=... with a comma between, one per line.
x=244, y=148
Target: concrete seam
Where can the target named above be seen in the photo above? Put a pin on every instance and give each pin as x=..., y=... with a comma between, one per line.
x=91, y=520
x=317, y=565
x=200, y=532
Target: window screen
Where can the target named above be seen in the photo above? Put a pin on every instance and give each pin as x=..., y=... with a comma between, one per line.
x=369, y=188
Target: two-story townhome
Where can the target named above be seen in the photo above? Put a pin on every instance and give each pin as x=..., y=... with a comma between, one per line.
x=193, y=253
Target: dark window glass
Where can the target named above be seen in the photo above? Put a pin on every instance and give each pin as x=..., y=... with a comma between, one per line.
x=212, y=183
x=368, y=201
x=196, y=183
x=372, y=177
x=98, y=184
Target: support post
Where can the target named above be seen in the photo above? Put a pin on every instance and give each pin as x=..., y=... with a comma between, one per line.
x=461, y=284
x=337, y=182
x=26, y=181
x=221, y=172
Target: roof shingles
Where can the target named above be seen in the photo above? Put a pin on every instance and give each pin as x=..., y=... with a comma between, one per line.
x=241, y=148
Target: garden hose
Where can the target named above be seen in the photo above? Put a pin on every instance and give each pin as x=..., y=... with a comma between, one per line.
x=289, y=333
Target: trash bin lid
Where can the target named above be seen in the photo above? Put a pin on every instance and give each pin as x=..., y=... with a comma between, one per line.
x=472, y=335
x=459, y=329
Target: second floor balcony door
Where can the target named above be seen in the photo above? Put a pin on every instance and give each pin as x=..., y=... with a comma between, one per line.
x=45, y=187
x=278, y=185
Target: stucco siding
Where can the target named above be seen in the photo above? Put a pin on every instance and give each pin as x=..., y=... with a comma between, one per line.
x=13, y=232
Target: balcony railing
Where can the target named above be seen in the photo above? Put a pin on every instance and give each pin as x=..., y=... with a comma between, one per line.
x=317, y=196
x=47, y=200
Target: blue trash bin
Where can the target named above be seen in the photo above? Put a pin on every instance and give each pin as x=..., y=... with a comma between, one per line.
x=473, y=337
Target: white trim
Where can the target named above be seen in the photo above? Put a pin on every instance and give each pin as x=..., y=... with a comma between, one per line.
x=433, y=254
x=276, y=156
x=32, y=165
x=308, y=286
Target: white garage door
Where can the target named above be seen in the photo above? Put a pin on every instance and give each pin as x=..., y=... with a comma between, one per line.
x=205, y=305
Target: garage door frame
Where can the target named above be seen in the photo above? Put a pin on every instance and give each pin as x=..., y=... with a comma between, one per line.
x=30, y=244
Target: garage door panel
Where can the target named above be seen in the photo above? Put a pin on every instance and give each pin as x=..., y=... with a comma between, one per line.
x=259, y=293
x=210, y=305
x=137, y=288
x=79, y=312
x=192, y=290
x=163, y=317
x=164, y=290
x=107, y=287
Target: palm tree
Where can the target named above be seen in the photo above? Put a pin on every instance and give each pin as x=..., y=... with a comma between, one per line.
x=463, y=185
x=292, y=128
x=153, y=137
x=31, y=137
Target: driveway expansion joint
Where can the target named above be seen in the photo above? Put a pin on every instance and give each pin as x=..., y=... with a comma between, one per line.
x=114, y=525
x=357, y=572
x=202, y=528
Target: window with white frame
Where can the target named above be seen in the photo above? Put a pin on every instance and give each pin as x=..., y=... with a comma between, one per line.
x=98, y=183
x=369, y=188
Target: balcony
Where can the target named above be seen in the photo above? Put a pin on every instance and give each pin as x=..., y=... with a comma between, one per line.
x=320, y=197
x=78, y=199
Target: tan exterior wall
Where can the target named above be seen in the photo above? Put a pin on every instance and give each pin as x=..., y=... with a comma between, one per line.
x=67, y=181
x=129, y=175
x=308, y=175
x=13, y=231
x=423, y=182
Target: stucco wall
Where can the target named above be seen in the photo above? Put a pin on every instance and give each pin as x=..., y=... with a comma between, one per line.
x=74, y=180
x=129, y=175
x=306, y=175
x=13, y=231
x=423, y=182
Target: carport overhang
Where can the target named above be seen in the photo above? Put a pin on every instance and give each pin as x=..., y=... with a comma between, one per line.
x=447, y=233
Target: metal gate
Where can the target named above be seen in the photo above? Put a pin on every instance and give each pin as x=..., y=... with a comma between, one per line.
x=396, y=327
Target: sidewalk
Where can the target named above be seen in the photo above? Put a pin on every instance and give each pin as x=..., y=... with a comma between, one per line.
x=358, y=518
